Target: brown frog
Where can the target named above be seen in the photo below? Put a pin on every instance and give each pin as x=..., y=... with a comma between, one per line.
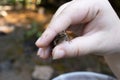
x=61, y=37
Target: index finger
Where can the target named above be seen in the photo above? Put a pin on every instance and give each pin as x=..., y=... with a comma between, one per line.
x=57, y=25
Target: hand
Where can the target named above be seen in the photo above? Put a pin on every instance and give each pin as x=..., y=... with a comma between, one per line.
x=100, y=33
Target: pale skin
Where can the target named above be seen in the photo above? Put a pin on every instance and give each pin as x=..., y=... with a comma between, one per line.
x=99, y=35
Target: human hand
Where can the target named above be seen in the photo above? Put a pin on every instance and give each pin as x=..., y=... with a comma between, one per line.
x=99, y=34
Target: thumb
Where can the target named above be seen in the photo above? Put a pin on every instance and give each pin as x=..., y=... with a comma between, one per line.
x=78, y=46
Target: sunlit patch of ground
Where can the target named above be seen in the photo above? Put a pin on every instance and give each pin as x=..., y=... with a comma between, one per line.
x=22, y=19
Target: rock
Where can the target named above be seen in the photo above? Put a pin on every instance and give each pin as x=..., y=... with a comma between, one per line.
x=42, y=73
x=3, y=13
x=7, y=29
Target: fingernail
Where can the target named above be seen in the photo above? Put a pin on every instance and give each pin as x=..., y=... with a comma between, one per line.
x=58, y=54
x=39, y=52
x=38, y=41
x=41, y=41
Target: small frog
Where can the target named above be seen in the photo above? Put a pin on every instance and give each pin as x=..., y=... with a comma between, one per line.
x=61, y=37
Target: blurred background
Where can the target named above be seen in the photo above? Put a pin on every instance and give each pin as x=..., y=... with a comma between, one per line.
x=21, y=23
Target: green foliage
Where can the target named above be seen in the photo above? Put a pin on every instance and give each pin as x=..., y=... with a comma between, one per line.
x=33, y=31
x=12, y=2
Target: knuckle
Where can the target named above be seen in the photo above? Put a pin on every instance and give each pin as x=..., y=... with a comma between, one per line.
x=53, y=30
